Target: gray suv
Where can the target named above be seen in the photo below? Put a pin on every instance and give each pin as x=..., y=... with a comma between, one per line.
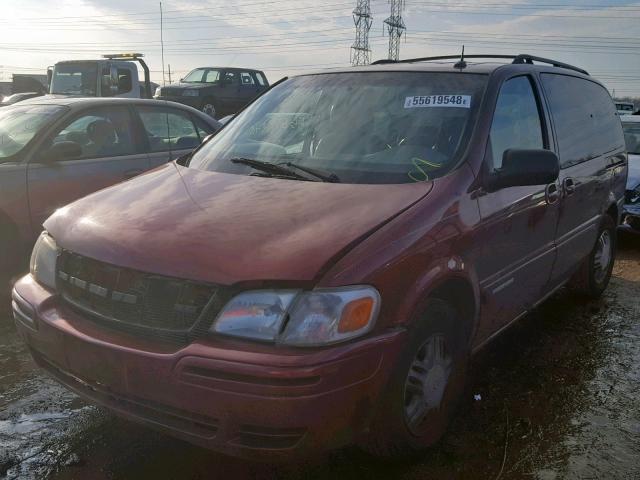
x=216, y=91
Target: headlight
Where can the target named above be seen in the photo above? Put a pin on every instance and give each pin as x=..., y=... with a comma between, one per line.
x=291, y=317
x=258, y=314
x=190, y=93
x=43, y=261
x=158, y=92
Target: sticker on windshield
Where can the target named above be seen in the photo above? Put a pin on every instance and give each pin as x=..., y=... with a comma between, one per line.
x=457, y=101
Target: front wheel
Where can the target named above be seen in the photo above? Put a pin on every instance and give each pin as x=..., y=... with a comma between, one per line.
x=594, y=274
x=425, y=387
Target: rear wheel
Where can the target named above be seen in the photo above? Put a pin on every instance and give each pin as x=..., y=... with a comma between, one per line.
x=594, y=274
x=425, y=387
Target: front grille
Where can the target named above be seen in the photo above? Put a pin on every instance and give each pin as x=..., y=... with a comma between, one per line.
x=171, y=92
x=138, y=303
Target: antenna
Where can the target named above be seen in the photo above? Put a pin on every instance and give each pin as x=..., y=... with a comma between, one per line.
x=360, y=51
x=461, y=64
x=395, y=28
x=162, y=45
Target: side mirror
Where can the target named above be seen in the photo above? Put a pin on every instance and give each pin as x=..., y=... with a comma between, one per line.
x=526, y=167
x=62, y=151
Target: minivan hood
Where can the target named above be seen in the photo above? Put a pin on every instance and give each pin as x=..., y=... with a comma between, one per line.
x=225, y=228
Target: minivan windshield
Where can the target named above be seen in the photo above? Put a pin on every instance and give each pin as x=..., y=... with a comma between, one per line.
x=20, y=123
x=75, y=78
x=373, y=127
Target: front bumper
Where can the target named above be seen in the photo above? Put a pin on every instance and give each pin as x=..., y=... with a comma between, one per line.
x=195, y=102
x=243, y=400
x=631, y=218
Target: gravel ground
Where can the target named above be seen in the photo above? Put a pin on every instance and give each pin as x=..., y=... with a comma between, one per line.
x=559, y=400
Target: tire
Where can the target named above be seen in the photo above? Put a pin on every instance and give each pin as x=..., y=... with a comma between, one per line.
x=395, y=429
x=594, y=274
x=209, y=107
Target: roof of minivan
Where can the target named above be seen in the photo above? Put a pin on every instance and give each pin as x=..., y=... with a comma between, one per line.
x=447, y=66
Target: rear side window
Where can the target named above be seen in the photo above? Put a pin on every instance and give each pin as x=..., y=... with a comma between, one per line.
x=246, y=78
x=516, y=121
x=261, y=80
x=584, y=117
x=168, y=129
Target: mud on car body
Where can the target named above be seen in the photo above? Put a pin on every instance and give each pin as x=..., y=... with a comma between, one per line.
x=319, y=272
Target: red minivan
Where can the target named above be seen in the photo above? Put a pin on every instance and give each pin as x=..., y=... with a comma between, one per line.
x=320, y=271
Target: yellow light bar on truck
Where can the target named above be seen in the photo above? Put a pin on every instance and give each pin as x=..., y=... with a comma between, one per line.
x=123, y=56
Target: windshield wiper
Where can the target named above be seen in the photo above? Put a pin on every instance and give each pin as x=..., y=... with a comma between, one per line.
x=268, y=167
x=322, y=175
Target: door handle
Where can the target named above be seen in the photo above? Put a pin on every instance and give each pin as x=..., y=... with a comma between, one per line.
x=569, y=186
x=132, y=173
x=552, y=193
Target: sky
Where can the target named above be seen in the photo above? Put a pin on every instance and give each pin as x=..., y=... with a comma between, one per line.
x=290, y=36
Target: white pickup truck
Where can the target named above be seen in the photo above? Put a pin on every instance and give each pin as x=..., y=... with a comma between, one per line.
x=112, y=76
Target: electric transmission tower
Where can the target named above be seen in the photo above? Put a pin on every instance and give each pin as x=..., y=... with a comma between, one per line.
x=395, y=28
x=360, y=51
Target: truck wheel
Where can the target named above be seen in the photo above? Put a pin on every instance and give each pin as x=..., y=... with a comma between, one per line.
x=425, y=388
x=594, y=274
x=209, y=107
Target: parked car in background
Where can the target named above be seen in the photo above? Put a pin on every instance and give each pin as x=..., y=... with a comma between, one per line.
x=18, y=97
x=625, y=108
x=631, y=212
x=321, y=270
x=54, y=151
x=216, y=91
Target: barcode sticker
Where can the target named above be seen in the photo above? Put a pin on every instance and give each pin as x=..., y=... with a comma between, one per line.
x=456, y=101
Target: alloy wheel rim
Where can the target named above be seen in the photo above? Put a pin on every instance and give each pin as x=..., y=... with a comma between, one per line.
x=426, y=381
x=209, y=109
x=602, y=257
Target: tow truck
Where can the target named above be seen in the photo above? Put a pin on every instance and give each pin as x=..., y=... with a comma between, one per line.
x=114, y=75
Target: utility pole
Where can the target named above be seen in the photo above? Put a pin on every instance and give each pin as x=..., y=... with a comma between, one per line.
x=162, y=44
x=395, y=28
x=169, y=73
x=360, y=51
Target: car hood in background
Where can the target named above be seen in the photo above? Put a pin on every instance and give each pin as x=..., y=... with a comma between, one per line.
x=225, y=228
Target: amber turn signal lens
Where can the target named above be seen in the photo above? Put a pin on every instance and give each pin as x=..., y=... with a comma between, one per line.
x=356, y=315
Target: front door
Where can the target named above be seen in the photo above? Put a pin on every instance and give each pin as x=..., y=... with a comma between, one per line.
x=108, y=155
x=517, y=251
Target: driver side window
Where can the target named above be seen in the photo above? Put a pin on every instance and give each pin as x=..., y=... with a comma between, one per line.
x=99, y=133
x=516, y=121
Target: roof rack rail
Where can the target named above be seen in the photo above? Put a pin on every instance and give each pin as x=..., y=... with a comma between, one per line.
x=516, y=59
